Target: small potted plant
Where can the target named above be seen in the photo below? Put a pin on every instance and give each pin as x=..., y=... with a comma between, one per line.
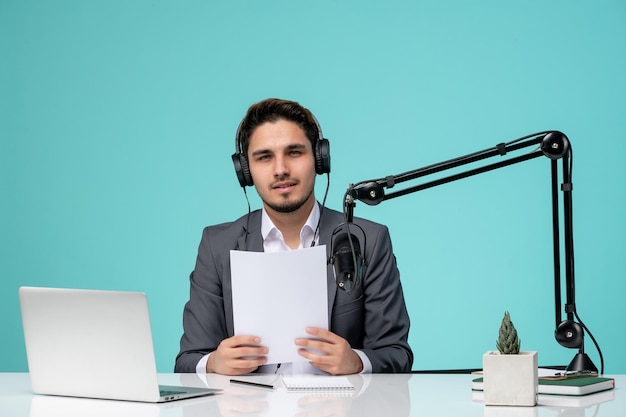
x=509, y=375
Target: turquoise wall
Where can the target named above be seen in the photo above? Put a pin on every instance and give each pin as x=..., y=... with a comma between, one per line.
x=117, y=123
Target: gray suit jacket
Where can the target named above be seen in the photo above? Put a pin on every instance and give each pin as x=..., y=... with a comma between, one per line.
x=373, y=318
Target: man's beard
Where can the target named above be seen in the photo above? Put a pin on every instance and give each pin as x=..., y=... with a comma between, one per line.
x=289, y=206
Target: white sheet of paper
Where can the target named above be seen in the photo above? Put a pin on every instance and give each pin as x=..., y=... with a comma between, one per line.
x=277, y=295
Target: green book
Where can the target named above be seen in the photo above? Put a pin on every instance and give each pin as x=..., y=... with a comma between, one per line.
x=567, y=386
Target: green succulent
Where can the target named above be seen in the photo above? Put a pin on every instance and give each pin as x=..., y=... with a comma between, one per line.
x=508, y=342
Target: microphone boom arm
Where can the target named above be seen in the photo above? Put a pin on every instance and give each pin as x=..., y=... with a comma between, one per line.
x=553, y=144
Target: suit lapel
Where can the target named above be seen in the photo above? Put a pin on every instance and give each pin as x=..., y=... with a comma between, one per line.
x=253, y=241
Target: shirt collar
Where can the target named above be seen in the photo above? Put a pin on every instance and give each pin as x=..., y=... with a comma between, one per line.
x=273, y=237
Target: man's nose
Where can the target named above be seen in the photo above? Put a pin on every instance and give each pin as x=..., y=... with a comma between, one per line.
x=281, y=166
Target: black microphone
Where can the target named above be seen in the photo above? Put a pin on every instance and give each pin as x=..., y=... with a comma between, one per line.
x=347, y=263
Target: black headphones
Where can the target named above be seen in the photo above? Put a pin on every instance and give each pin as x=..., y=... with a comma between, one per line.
x=321, y=151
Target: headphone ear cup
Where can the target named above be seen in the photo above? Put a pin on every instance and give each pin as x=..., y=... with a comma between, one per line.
x=322, y=156
x=242, y=169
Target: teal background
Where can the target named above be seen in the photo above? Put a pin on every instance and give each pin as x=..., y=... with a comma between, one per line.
x=117, y=122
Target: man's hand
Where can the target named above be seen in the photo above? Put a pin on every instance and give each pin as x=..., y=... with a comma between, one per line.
x=237, y=355
x=336, y=357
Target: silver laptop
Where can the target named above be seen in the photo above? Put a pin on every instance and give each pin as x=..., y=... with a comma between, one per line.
x=94, y=344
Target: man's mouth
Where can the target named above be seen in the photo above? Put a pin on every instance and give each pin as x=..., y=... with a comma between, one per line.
x=284, y=185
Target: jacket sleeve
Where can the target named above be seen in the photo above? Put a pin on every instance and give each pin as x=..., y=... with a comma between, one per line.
x=204, y=315
x=386, y=320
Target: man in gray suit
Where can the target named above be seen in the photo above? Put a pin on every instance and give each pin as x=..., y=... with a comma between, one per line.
x=280, y=149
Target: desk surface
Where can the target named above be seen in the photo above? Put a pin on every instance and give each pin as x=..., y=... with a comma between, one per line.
x=375, y=395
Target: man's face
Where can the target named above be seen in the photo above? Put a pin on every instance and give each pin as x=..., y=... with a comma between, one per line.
x=282, y=166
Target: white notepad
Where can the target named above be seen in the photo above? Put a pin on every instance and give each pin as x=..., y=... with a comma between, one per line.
x=317, y=383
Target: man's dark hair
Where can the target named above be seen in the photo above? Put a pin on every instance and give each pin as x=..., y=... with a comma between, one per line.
x=272, y=110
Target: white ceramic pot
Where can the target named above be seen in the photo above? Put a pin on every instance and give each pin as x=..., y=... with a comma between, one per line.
x=510, y=379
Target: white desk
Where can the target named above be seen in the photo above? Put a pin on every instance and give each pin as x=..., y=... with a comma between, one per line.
x=376, y=396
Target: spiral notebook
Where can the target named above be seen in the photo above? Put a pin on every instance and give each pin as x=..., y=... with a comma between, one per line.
x=317, y=383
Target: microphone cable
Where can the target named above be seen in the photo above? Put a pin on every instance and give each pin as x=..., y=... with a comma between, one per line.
x=593, y=339
x=245, y=239
x=319, y=220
